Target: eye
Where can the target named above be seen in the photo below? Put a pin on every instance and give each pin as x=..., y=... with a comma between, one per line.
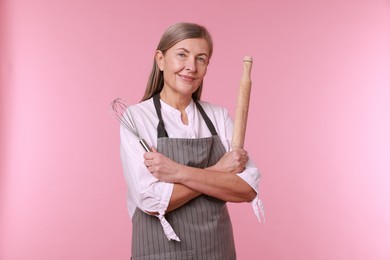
x=182, y=55
x=202, y=60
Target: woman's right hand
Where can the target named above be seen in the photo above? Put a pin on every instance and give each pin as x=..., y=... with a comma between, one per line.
x=233, y=162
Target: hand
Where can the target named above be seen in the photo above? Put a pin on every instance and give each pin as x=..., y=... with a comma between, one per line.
x=161, y=166
x=233, y=162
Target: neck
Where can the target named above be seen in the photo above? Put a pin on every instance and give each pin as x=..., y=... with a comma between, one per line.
x=180, y=102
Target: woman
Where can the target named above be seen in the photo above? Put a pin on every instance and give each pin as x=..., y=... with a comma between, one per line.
x=177, y=193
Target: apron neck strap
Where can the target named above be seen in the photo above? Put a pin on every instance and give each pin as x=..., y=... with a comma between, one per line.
x=161, y=132
x=206, y=118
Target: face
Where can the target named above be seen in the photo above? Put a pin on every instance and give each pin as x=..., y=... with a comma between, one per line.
x=184, y=66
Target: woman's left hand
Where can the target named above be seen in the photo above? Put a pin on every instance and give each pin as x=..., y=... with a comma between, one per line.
x=233, y=162
x=161, y=166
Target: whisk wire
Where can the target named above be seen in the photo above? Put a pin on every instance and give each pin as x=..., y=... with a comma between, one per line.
x=123, y=114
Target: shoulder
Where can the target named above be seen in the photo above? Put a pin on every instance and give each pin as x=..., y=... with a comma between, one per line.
x=144, y=115
x=213, y=109
x=221, y=119
x=144, y=108
x=219, y=115
x=146, y=104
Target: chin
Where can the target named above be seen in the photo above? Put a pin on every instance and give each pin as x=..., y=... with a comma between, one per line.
x=187, y=91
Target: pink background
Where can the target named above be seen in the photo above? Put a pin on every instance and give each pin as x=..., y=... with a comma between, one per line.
x=318, y=127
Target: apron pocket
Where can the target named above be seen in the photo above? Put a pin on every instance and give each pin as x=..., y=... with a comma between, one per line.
x=179, y=255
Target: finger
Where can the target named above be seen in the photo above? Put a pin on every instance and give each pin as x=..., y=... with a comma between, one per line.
x=151, y=169
x=241, y=151
x=148, y=163
x=148, y=155
x=246, y=159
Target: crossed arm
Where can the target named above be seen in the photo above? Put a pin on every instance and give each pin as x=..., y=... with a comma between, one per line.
x=219, y=181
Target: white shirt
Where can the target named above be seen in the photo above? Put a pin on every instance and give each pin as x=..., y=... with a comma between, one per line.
x=144, y=190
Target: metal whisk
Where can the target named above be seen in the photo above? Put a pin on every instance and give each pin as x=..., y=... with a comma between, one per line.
x=122, y=113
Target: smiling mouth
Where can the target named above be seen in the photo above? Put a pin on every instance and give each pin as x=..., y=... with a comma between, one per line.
x=187, y=78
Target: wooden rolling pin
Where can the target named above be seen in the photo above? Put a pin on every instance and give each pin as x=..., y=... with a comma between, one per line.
x=242, y=105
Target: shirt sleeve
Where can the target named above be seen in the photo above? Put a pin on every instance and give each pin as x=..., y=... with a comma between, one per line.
x=251, y=174
x=145, y=191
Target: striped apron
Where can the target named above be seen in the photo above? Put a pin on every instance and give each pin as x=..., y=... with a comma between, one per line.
x=203, y=224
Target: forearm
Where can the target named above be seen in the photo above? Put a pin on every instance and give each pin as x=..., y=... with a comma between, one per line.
x=196, y=181
x=221, y=185
x=181, y=195
x=219, y=181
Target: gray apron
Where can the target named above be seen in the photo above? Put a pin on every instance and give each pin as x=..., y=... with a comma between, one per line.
x=203, y=224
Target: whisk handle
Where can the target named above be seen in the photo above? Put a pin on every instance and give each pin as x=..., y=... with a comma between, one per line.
x=145, y=145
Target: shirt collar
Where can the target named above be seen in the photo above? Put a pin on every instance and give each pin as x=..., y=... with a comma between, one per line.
x=189, y=109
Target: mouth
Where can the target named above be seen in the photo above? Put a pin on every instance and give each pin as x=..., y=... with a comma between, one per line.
x=187, y=78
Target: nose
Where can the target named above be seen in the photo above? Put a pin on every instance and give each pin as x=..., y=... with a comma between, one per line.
x=191, y=65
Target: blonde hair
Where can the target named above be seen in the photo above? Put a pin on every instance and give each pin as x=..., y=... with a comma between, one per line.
x=171, y=36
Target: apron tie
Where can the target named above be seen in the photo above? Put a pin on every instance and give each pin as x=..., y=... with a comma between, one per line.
x=168, y=230
x=258, y=207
